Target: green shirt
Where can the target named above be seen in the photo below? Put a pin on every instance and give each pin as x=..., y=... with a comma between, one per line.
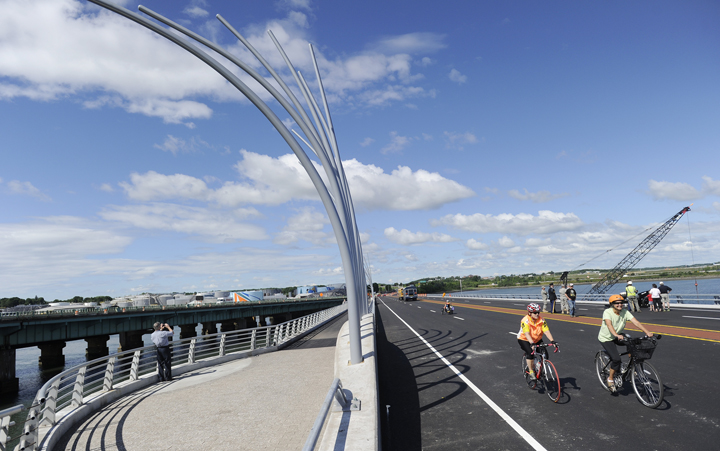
x=617, y=321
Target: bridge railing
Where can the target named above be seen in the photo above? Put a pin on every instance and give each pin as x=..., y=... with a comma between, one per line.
x=680, y=299
x=68, y=391
x=98, y=310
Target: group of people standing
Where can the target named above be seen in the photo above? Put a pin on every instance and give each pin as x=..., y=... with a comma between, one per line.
x=567, y=298
x=658, y=298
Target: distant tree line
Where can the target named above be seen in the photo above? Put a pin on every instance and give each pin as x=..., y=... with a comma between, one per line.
x=12, y=302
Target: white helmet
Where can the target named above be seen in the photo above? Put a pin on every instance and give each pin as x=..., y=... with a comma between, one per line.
x=629, y=282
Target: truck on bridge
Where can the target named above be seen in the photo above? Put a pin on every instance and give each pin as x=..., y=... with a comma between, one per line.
x=408, y=293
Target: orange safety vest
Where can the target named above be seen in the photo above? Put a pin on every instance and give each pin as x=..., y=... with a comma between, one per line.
x=536, y=329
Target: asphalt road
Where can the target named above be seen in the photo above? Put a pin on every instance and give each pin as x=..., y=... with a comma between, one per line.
x=433, y=408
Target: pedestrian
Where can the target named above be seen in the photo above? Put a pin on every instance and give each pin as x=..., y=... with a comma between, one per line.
x=563, y=299
x=160, y=338
x=544, y=295
x=632, y=297
x=552, y=296
x=571, y=295
x=665, y=296
x=654, y=298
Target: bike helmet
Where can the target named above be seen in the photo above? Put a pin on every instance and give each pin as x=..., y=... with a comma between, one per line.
x=533, y=308
x=615, y=298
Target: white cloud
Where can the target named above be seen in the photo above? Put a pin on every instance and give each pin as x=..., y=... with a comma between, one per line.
x=176, y=145
x=506, y=242
x=681, y=191
x=710, y=187
x=195, y=11
x=473, y=244
x=27, y=189
x=107, y=188
x=458, y=140
x=397, y=143
x=274, y=181
x=411, y=43
x=425, y=61
x=457, y=77
x=43, y=43
x=521, y=224
x=673, y=191
x=308, y=226
x=538, y=197
x=212, y=226
x=366, y=142
x=405, y=237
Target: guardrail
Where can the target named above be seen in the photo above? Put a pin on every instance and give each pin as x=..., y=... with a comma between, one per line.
x=97, y=310
x=679, y=299
x=120, y=373
x=6, y=423
x=341, y=403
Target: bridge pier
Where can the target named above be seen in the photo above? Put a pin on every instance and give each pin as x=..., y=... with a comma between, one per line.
x=188, y=331
x=131, y=340
x=8, y=382
x=97, y=347
x=227, y=326
x=51, y=354
x=209, y=328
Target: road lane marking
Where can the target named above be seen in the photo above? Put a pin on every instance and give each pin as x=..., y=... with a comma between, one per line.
x=433, y=311
x=461, y=319
x=488, y=302
x=700, y=317
x=513, y=424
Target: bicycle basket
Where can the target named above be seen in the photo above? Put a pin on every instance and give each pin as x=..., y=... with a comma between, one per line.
x=642, y=349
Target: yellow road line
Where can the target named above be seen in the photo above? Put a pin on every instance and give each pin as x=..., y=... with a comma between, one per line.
x=581, y=321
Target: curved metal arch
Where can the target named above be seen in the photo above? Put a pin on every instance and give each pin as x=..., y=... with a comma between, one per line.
x=345, y=234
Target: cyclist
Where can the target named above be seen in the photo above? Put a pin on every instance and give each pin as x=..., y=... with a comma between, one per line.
x=448, y=307
x=532, y=328
x=610, y=336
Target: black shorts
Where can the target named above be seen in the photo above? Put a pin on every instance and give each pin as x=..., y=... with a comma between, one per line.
x=527, y=347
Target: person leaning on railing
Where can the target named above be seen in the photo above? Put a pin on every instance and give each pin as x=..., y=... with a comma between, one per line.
x=160, y=338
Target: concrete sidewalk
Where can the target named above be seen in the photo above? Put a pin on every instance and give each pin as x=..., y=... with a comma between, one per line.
x=266, y=402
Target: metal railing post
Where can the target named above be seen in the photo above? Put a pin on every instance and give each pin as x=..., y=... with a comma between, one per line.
x=135, y=366
x=191, y=351
x=222, y=345
x=77, y=395
x=109, y=372
x=253, y=339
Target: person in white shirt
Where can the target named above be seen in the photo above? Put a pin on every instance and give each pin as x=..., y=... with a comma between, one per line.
x=160, y=339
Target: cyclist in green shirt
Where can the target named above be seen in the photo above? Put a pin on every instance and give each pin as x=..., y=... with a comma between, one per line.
x=610, y=336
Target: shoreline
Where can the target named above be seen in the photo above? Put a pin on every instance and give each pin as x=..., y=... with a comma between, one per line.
x=639, y=279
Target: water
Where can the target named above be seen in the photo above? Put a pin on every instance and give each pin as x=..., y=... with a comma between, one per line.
x=686, y=288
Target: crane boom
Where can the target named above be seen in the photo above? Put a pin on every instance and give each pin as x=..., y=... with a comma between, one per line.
x=637, y=254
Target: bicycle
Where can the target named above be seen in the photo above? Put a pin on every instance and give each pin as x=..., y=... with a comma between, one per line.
x=646, y=381
x=545, y=372
x=449, y=310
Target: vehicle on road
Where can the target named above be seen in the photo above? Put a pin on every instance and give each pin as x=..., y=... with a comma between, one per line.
x=447, y=308
x=545, y=373
x=408, y=293
x=646, y=381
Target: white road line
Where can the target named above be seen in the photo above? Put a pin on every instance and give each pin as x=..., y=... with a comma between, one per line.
x=488, y=302
x=584, y=309
x=461, y=319
x=518, y=304
x=700, y=317
x=433, y=311
x=513, y=424
x=419, y=307
x=512, y=333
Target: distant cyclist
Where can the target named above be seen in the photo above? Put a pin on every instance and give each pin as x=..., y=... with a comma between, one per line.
x=610, y=336
x=448, y=306
x=532, y=328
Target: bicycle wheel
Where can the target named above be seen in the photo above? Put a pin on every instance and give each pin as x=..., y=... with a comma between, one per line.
x=531, y=381
x=602, y=367
x=552, y=381
x=647, y=384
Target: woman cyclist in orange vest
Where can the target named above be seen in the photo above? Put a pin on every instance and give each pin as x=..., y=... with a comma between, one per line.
x=532, y=328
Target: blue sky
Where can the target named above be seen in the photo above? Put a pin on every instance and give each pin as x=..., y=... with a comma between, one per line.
x=478, y=138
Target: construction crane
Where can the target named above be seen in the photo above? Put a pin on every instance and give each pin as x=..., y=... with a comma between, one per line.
x=637, y=254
